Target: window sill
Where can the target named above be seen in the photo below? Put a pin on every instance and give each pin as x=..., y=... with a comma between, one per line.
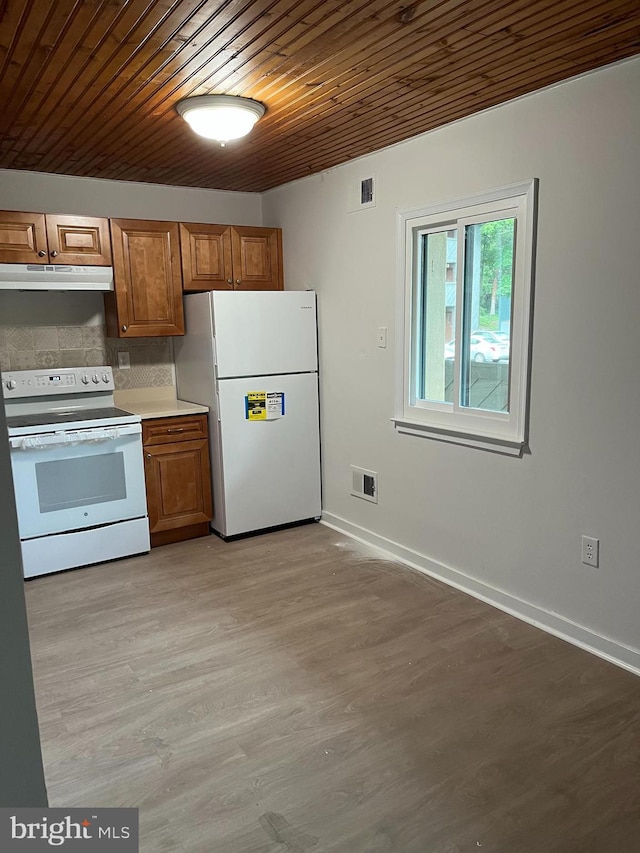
x=495, y=444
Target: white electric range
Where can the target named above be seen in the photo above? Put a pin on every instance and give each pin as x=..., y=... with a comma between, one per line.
x=77, y=466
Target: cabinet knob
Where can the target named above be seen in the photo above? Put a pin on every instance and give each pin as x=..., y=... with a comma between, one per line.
x=124, y=328
x=229, y=281
x=238, y=280
x=54, y=254
x=41, y=253
x=148, y=456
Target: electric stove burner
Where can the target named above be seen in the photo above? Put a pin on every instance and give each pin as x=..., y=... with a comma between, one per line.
x=62, y=418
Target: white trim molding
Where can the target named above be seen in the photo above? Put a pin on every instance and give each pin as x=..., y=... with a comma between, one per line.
x=552, y=623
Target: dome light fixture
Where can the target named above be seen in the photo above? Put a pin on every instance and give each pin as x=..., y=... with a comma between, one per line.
x=220, y=117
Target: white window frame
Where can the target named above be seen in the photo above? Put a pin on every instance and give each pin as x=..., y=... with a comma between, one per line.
x=504, y=432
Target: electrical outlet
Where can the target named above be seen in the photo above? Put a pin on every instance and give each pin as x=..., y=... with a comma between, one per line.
x=124, y=363
x=590, y=551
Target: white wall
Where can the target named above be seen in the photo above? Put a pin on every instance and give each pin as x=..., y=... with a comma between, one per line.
x=35, y=191
x=507, y=529
x=21, y=775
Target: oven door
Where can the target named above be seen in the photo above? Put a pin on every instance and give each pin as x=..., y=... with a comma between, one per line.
x=73, y=480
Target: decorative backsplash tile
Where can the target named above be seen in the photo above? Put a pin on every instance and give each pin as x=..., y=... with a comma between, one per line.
x=19, y=339
x=93, y=337
x=30, y=347
x=46, y=338
x=47, y=358
x=22, y=360
x=69, y=337
x=151, y=362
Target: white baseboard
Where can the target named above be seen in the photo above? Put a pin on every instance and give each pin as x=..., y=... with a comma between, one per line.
x=553, y=623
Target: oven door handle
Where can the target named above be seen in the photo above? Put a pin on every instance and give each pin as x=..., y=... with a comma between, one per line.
x=94, y=435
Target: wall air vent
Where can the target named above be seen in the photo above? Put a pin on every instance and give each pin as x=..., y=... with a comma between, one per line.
x=366, y=191
x=362, y=193
x=364, y=484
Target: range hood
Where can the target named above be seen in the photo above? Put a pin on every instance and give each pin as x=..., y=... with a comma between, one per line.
x=55, y=277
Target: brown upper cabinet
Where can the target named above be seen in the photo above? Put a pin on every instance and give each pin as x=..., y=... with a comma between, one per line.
x=225, y=257
x=39, y=238
x=147, y=296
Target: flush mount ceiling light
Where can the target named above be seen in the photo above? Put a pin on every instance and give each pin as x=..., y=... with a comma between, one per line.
x=221, y=117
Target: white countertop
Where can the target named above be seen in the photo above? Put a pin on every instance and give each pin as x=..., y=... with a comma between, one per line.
x=155, y=403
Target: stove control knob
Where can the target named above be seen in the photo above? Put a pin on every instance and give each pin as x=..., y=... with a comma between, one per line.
x=11, y=384
x=95, y=378
x=105, y=377
x=85, y=379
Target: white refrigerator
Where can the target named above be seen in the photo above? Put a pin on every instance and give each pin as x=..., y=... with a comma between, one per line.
x=251, y=357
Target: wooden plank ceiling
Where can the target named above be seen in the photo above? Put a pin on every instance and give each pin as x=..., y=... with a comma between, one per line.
x=89, y=88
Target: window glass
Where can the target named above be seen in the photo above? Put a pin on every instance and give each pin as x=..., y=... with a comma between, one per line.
x=488, y=288
x=68, y=483
x=437, y=316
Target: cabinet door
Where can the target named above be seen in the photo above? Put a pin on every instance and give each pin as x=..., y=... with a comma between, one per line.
x=147, y=297
x=23, y=238
x=178, y=482
x=206, y=257
x=257, y=258
x=79, y=240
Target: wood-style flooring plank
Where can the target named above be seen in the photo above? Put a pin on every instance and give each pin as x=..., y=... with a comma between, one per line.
x=298, y=692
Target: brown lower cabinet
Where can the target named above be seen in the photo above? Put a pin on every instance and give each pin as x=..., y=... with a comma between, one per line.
x=178, y=477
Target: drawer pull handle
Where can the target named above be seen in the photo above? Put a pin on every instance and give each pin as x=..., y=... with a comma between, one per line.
x=178, y=429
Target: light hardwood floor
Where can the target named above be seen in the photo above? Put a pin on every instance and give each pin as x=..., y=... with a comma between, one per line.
x=292, y=692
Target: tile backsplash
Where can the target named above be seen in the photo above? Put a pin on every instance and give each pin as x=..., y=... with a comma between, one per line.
x=30, y=347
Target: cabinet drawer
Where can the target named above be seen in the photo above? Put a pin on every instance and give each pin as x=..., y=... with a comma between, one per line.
x=181, y=428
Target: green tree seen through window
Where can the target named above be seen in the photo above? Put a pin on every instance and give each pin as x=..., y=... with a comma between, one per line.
x=496, y=275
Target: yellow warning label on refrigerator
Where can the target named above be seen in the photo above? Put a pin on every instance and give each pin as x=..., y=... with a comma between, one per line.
x=263, y=405
x=255, y=404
